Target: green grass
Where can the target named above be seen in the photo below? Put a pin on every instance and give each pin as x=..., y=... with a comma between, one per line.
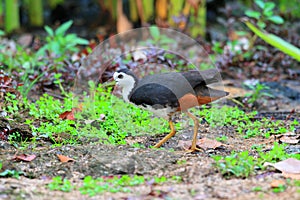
x=11, y=173
x=244, y=123
x=60, y=184
x=120, y=119
x=93, y=186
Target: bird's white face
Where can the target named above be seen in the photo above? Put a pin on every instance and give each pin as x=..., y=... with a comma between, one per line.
x=124, y=80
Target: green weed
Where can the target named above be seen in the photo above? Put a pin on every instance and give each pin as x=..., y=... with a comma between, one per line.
x=118, y=184
x=243, y=165
x=237, y=164
x=60, y=184
x=244, y=123
x=258, y=92
x=120, y=119
x=181, y=162
x=59, y=43
x=280, y=188
x=12, y=104
x=32, y=66
x=223, y=138
x=59, y=82
x=11, y=173
x=265, y=15
x=93, y=186
x=158, y=38
x=257, y=189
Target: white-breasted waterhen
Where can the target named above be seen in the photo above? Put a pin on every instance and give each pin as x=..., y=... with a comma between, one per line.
x=167, y=93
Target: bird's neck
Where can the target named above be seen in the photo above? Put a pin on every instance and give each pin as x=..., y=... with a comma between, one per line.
x=128, y=89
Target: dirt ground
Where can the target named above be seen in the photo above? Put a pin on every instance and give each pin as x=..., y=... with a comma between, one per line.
x=200, y=178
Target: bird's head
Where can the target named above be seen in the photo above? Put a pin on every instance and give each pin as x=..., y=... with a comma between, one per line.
x=125, y=78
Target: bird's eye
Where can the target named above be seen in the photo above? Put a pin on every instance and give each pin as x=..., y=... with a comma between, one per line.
x=120, y=76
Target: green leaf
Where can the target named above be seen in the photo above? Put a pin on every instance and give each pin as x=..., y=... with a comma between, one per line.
x=269, y=6
x=49, y=31
x=154, y=31
x=81, y=41
x=276, y=41
x=260, y=4
x=61, y=30
x=276, y=19
x=268, y=13
x=2, y=32
x=261, y=24
x=253, y=14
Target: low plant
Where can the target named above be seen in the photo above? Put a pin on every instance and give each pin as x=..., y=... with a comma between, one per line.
x=12, y=103
x=60, y=184
x=158, y=38
x=244, y=123
x=258, y=92
x=236, y=164
x=11, y=173
x=119, y=119
x=265, y=15
x=115, y=184
x=93, y=186
x=222, y=138
x=101, y=115
x=58, y=80
x=242, y=164
x=59, y=42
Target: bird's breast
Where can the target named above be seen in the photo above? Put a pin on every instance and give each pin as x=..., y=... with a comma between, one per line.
x=160, y=112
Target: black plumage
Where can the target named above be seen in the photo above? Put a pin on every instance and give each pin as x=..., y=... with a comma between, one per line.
x=155, y=95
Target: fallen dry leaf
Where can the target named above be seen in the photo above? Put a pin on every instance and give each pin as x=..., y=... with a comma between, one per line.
x=203, y=143
x=289, y=167
x=291, y=175
x=24, y=157
x=183, y=144
x=289, y=138
x=69, y=114
x=64, y=159
x=206, y=143
x=277, y=183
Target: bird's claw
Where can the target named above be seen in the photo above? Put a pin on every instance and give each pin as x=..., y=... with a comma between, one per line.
x=193, y=149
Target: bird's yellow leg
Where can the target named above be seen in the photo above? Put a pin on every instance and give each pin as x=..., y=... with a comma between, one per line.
x=167, y=137
x=196, y=127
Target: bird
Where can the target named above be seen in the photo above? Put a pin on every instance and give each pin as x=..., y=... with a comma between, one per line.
x=165, y=94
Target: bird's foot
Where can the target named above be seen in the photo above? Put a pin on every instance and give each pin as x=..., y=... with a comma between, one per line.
x=157, y=145
x=193, y=149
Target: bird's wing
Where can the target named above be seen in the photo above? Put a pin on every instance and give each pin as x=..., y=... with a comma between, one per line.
x=200, y=79
x=155, y=95
x=195, y=77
